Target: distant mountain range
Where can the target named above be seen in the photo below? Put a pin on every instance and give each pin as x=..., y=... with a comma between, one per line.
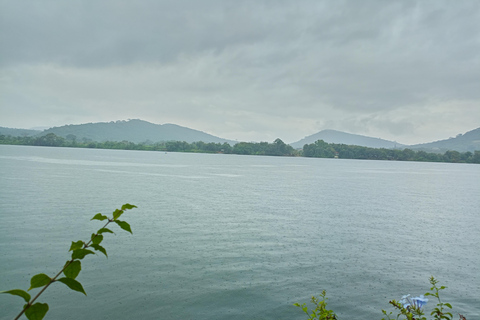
x=138, y=131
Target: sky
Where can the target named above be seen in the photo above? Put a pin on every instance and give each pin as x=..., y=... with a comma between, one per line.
x=404, y=70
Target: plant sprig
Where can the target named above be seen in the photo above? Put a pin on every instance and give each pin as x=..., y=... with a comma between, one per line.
x=439, y=312
x=71, y=269
x=320, y=312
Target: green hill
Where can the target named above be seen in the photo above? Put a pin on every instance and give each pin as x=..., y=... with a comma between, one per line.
x=333, y=136
x=136, y=131
x=469, y=141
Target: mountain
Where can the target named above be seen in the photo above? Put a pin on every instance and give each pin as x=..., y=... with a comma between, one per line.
x=134, y=131
x=470, y=141
x=333, y=136
x=18, y=132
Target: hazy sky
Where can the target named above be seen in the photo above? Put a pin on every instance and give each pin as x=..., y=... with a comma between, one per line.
x=245, y=70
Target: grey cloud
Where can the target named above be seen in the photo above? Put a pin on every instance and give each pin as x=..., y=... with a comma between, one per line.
x=97, y=33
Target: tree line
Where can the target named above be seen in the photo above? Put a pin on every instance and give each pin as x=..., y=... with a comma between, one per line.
x=319, y=149
x=277, y=148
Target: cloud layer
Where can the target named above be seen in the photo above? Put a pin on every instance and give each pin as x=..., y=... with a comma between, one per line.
x=247, y=70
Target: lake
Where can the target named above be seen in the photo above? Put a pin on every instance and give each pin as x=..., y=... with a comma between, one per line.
x=237, y=237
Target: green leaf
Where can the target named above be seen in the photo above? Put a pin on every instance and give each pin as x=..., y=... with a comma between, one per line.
x=128, y=206
x=73, y=284
x=37, y=311
x=76, y=245
x=39, y=280
x=103, y=230
x=117, y=213
x=99, y=248
x=73, y=269
x=448, y=305
x=97, y=238
x=18, y=292
x=81, y=253
x=99, y=216
x=124, y=225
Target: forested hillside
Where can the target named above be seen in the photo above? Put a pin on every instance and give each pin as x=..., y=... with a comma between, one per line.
x=470, y=141
x=333, y=136
x=135, y=131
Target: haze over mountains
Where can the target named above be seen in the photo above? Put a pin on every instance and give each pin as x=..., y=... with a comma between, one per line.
x=18, y=132
x=139, y=131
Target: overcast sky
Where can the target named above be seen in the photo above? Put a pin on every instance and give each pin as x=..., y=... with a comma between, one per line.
x=245, y=70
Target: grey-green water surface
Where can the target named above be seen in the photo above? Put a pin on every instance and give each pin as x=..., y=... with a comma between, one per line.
x=237, y=237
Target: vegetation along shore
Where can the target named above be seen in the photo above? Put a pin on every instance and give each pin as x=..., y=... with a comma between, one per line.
x=319, y=149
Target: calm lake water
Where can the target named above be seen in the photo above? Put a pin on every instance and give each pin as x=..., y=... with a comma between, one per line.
x=237, y=237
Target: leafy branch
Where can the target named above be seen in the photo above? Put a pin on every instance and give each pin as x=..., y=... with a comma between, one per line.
x=80, y=249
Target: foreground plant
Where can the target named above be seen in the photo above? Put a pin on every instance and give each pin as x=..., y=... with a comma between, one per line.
x=71, y=269
x=408, y=308
x=412, y=308
x=320, y=312
x=438, y=312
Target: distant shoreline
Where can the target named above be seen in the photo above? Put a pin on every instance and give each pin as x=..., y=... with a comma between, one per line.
x=319, y=149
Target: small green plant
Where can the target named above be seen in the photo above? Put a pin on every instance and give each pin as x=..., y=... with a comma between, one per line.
x=71, y=269
x=438, y=312
x=320, y=312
